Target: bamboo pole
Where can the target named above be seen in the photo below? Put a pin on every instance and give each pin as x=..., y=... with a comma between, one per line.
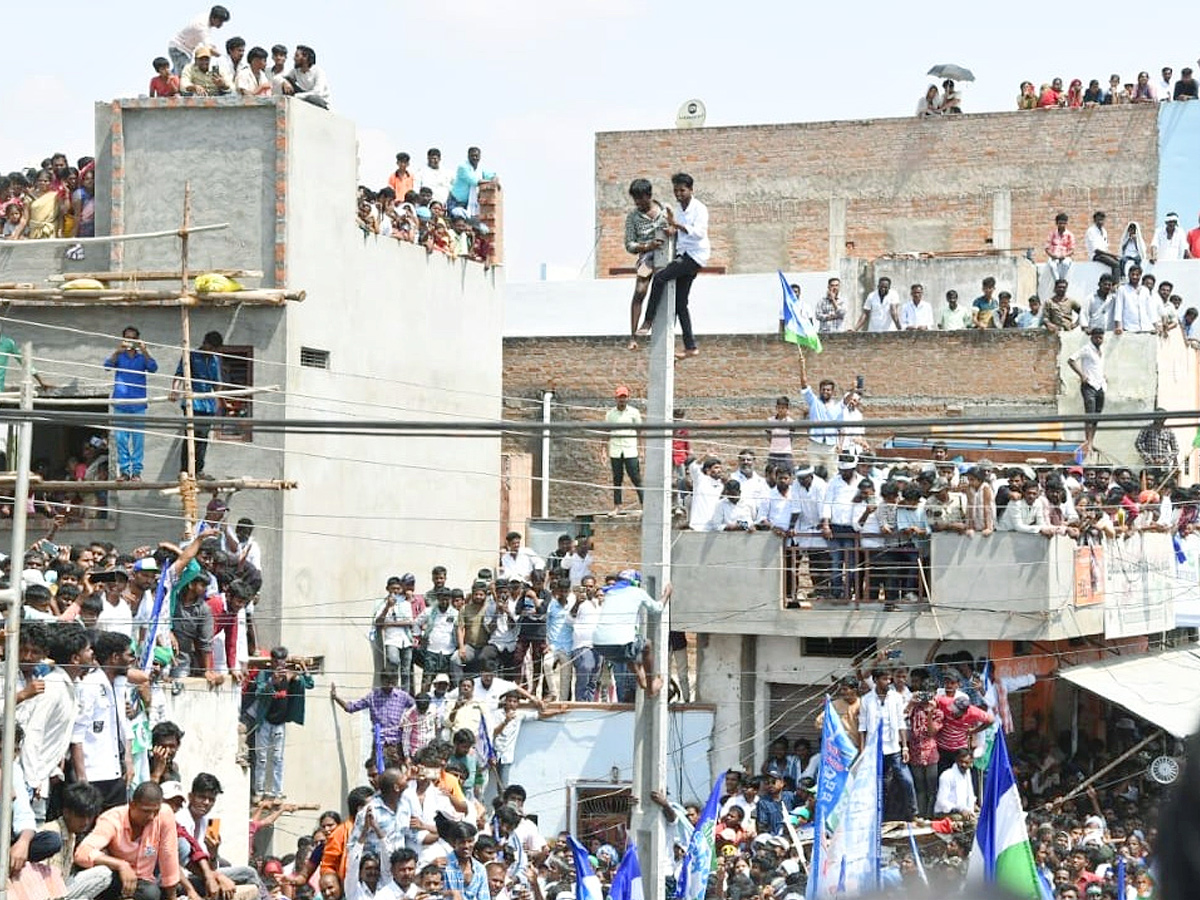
x=187, y=478
x=147, y=275
x=108, y=238
x=169, y=487
x=185, y=297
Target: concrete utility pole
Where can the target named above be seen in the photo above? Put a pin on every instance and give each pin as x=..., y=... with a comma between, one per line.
x=650, y=713
x=12, y=633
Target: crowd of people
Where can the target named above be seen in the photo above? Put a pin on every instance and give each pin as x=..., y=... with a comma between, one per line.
x=431, y=206
x=1089, y=834
x=195, y=66
x=55, y=200
x=1052, y=95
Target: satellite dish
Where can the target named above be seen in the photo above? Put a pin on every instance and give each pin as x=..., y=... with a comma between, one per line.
x=691, y=114
x=1164, y=769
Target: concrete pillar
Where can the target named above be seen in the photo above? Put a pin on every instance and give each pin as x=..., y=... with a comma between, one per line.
x=1002, y=219
x=837, y=231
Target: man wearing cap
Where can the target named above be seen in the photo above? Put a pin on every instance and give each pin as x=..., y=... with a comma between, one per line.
x=200, y=79
x=960, y=720
x=1169, y=242
x=616, y=635
x=946, y=510
x=623, y=446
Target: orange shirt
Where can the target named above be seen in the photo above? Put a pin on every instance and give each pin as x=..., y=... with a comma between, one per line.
x=401, y=184
x=333, y=858
x=156, y=848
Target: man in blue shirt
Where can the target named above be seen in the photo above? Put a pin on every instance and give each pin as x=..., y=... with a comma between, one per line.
x=464, y=190
x=206, y=380
x=463, y=873
x=132, y=362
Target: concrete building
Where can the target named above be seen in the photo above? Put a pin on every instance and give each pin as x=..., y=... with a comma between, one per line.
x=939, y=203
x=387, y=332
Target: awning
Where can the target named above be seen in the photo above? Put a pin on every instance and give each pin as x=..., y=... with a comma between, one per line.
x=1160, y=688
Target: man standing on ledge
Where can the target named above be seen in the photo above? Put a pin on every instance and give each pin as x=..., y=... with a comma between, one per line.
x=689, y=222
x=623, y=447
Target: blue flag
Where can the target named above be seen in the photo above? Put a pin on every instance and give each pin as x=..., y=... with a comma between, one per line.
x=484, y=748
x=837, y=754
x=698, y=861
x=627, y=880
x=1121, y=878
x=587, y=883
x=798, y=326
x=160, y=594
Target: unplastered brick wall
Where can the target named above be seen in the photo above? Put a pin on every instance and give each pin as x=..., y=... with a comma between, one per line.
x=907, y=184
x=738, y=377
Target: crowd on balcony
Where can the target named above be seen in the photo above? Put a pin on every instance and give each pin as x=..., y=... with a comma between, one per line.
x=1089, y=836
x=54, y=200
x=431, y=206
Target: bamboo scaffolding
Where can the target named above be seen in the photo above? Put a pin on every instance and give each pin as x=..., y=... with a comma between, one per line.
x=166, y=487
x=146, y=275
x=143, y=297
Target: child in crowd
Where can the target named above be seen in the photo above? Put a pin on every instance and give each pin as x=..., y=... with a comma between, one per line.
x=163, y=84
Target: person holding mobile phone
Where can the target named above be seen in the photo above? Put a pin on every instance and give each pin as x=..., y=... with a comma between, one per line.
x=131, y=362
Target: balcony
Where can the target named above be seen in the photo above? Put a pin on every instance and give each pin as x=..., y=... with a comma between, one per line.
x=1007, y=586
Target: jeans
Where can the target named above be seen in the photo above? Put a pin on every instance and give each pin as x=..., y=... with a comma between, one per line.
x=179, y=60
x=130, y=450
x=622, y=465
x=841, y=559
x=145, y=890
x=624, y=679
x=587, y=667
x=400, y=660
x=43, y=845
x=682, y=270
x=1111, y=261
x=902, y=780
x=201, y=426
x=925, y=781
x=268, y=738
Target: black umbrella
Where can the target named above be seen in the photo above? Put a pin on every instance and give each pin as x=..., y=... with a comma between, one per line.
x=951, y=71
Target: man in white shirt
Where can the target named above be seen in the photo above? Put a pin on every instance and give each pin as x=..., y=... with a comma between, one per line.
x=707, y=486
x=1169, y=242
x=100, y=740
x=585, y=612
x=616, y=635
x=885, y=706
x=956, y=788
x=195, y=33
x=434, y=177
x=1098, y=313
x=808, y=499
x=1164, y=92
x=253, y=80
x=837, y=526
x=1027, y=515
x=306, y=81
x=1096, y=243
x=880, y=309
x=688, y=222
x=916, y=315
x=233, y=63
x=1130, y=308
x=578, y=563
x=517, y=561
x=1088, y=363
x=755, y=491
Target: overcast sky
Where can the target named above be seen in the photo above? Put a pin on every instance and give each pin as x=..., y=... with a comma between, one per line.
x=532, y=81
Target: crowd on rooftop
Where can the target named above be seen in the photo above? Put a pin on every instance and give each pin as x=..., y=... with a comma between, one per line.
x=1052, y=95
x=54, y=200
x=431, y=206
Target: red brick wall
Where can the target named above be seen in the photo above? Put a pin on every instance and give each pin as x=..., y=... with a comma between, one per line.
x=738, y=377
x=768, y=186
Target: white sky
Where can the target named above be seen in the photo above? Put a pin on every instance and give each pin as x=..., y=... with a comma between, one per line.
x=532, y=81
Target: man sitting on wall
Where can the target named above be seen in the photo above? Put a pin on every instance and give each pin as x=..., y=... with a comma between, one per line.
x=200, y=79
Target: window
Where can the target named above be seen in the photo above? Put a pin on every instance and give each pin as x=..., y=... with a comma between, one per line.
x=838, y=647
x=237, y=371
x=61, y=452
x=792, y=711
x=601, y=810
x=312, y=358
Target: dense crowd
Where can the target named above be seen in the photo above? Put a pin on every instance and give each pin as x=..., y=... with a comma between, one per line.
x=54, y=200
x=431, y=206
x=1088, y=834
